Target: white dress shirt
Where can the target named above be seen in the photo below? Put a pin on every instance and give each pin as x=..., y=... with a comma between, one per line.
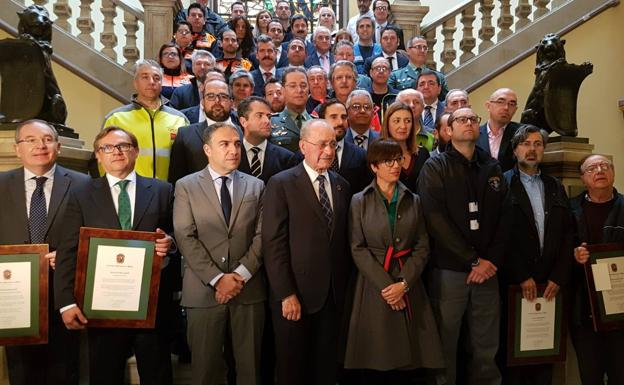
x=365, y=133
x=30, y=185
x=395, y=60
x=218, y=182
x=315, y=184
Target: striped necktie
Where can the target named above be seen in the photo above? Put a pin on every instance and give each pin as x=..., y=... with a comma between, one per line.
x=428, y=121
x=324, y=200
x=256, y=167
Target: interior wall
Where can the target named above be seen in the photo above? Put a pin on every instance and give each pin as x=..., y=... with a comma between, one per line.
x=86, y=104
x=598, y=115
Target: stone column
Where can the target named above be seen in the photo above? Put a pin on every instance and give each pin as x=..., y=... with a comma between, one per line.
x=158, y=24
x=408, y=14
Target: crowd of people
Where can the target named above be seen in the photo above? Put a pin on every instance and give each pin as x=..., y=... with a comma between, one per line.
x=330, y=213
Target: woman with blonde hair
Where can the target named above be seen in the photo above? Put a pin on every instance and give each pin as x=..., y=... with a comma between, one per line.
x=398, y=125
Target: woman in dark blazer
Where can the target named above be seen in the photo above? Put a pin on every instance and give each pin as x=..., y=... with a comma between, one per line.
x=392, y=335
x=398, y=125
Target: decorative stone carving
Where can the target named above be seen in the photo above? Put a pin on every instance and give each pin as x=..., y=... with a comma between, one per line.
x=552, y=102
x=29, y=88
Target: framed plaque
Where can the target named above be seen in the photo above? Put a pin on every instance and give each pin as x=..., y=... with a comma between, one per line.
x=23, y=294
x=604, y=273
x=117, y=277
x=536, y=330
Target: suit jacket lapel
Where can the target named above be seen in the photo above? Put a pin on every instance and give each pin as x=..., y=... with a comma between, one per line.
x=207, y=185
x=307, y=192
x=104, y=200
x=506, y=140
x=239, y=188
x=347, y=155
x=269, y=159
x=199, y=130
x=59, y=190
x=18, y=196
x=337, y=191
x=142, y=199
x=483, y=140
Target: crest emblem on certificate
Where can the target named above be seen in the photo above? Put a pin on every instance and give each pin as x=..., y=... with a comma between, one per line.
x=538, y=306
x=6, y=274
x=121, y=258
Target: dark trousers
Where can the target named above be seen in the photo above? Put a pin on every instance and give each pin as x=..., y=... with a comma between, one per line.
x=306, y=350
x=109, y=349
x=599, y=354
x=391, y=377
x=529, y=375
x=54, y=363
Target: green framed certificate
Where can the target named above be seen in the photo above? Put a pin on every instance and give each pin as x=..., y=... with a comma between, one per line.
x=536, y=329
x=23, y=294
x=604, y=274
x=117, y=277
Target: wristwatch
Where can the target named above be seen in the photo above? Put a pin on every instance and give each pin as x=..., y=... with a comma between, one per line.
x=475, y=263
x=405, y=285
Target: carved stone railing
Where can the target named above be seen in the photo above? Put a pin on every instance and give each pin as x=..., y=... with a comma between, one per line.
x=115, y=28
x=493, y=20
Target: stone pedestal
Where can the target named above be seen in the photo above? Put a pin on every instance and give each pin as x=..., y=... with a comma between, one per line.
x=561, y=160
x=408, y=14
x=73, y=155
x=158, y=24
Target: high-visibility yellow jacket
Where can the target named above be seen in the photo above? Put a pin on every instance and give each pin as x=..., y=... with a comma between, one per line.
x=155, y=131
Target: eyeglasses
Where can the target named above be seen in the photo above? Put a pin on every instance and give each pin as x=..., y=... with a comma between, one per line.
x=597, y=167
x=169, y=54
x=322, y=145
x=361, y=107
x=212, y=97
x=466, y=119
x=183, y=32
x=420, y=47
x=381, y=69
x=503, y=103
x=390, y=162
x=381, y=8
x=33, y=142
x=121, y=147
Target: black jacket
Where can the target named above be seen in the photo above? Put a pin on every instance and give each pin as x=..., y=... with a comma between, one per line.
x=612, y=232
x=447, y=183
x=185, y=96
x=523, y=258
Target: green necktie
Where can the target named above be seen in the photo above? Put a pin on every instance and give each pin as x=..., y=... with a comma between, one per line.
x=123, y=206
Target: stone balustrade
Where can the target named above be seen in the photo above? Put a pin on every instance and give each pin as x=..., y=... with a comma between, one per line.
x=493, y=20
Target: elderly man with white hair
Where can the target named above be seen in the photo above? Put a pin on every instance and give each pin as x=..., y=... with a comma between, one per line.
x=322, y=55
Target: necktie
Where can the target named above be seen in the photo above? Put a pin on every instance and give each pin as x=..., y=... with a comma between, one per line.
x=256, y=167
x=325, y=63
x=335, y=166
x=124, y=211
x=360, y=140
x=38, y=212
x=390, y=59
x=267, y=76
x=299, y=121
x=428, y=121
x=324, y=199
x=226, y=200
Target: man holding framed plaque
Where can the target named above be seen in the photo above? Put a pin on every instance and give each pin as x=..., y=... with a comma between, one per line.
x=217, y=220
x=34, y=198
x=599, y=216
x=122, y=200
x=539, y=252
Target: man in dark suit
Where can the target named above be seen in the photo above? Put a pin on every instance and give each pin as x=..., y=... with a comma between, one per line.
x=306, y=254
x=276, y=32
x=224, y=285
x=259, y=157
x=495, y=135
x=381, y=11
x=34, y=198
x=121, y=200
x=189, y=95
x=321, y=56
x=350, y=160
x=187, y=153
x=299, y=28
x=389, y=45
x=539, y=249
x=265, y=52
x=429, y=86
x=360, y=109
